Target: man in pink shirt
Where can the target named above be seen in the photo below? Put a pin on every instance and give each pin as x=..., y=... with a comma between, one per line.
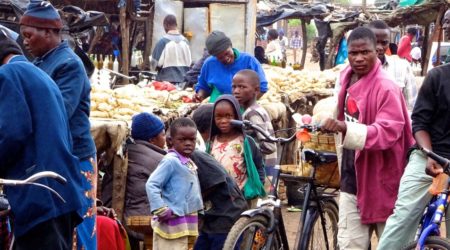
x=374, y=122
x=404, y=46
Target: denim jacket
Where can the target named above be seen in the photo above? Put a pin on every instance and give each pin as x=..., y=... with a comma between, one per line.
x=174, y=185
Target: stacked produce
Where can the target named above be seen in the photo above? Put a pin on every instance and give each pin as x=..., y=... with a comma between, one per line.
x=296, y=83
x=124, y=102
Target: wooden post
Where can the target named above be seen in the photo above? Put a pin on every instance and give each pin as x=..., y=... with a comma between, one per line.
x=425, y=46
x=435, y=37
x=124, y=31
x=148, y=38
x=305, y=43
x=98, y=35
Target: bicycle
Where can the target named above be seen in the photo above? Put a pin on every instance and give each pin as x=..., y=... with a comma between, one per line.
x=428, y=233
x=4, y=205
x=263, y=227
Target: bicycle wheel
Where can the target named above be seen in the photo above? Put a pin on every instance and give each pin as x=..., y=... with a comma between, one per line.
x=315, y=238
x=433, y=242
x=250, y=233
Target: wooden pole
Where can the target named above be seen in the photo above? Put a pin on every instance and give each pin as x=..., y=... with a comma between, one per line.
x=148, y=38
x=124, y=31
x=305, y=43
x=425, y=46
x=364, y=5
x=435, y=37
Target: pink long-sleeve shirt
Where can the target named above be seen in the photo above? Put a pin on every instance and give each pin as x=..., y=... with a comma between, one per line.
x=381, y=139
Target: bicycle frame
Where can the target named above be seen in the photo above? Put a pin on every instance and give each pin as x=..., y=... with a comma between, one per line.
x=434, y=212
x=271, y=208
x=309, y=211
x=432, y=217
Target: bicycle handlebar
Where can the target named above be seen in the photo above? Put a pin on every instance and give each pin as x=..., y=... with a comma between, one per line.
x=248, y=124
x=439, y=159
x=31, y=181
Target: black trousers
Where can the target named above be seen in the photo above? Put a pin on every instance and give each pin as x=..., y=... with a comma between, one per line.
x=54, y=234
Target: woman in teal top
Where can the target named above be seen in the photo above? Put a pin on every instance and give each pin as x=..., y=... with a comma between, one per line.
x=218, y=70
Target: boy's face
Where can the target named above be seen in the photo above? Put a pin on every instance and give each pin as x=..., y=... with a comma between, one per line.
x=223, y=114
x=244, y=91
x=159, y=140
x=183, y=141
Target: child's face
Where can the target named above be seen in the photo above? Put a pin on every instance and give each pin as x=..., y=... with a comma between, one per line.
x=223, y=114
x=244, y=91
x=183, y=141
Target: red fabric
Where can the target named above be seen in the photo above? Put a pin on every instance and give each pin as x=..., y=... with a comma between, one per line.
x=380, y=165
x=404, y=48
x=108, y=234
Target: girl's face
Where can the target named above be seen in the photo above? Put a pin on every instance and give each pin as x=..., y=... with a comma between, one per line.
x=223, y=114
x=183, y=141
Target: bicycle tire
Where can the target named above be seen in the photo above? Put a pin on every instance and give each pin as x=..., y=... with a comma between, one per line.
x=314, y=237
x=238, y=237
x=432, y=242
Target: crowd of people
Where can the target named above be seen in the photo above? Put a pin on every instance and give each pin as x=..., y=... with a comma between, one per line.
x=195, y=177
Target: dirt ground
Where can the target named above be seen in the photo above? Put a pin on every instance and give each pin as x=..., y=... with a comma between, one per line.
x=291, y=223
x=308, y=64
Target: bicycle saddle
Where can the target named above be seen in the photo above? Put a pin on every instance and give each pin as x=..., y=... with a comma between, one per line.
x=317, y=158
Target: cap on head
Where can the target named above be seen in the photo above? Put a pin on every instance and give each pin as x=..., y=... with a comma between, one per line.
x=41, y=14
x=8, y=46
x=146, y=126
x=217, y=42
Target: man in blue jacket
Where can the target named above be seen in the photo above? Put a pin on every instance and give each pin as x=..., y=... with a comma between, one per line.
x=35, y=137
x=40, y=27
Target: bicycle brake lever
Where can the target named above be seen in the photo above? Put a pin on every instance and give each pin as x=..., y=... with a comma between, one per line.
x=49, y=189
x=45, y=174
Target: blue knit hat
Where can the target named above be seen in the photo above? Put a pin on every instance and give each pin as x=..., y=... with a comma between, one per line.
x=146, y=126
x=41, y=14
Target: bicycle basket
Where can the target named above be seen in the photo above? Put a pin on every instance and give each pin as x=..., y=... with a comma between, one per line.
x=327, y=174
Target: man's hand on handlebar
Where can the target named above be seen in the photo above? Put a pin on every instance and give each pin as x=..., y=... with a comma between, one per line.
x=333, y=125
x=433, y=168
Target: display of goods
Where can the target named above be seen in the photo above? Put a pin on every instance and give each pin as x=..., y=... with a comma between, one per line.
x=124, y=102
x=295, y=83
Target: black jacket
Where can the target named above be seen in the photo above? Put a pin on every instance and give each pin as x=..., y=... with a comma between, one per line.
x=223, y=199
x=431, y=111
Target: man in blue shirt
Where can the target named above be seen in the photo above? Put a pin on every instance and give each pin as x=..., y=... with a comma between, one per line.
x=218, y=70
x=40, y=27
x=35, y=137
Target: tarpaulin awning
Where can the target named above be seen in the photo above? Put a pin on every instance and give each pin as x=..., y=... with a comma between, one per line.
x=291, y=10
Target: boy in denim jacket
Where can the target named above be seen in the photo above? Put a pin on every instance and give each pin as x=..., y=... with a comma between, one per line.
x=173, y=190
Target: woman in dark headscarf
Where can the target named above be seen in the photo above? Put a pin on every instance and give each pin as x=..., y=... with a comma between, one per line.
x=218, y=70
